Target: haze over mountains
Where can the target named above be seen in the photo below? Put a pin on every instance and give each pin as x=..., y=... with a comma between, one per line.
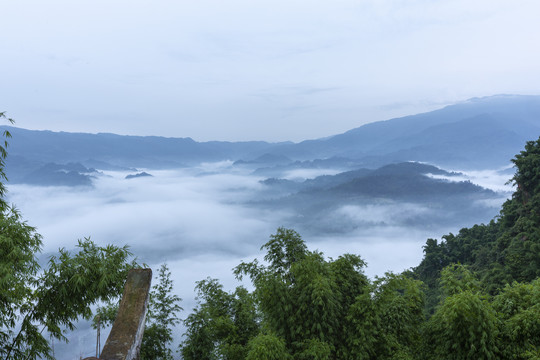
x=403, y=194
x=481, y=133
x=379, y=190
x=323, y=184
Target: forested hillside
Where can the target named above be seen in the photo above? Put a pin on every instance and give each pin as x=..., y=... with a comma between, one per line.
x=475, y=295
x=505, y=250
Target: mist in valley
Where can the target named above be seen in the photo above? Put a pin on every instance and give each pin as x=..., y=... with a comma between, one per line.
x=366, y=126
x=202, y=221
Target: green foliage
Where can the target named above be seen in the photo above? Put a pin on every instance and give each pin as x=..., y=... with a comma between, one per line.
x=267, y=347
x=518, y=306
x=482, y=289
x=456, y=304
x=156, y=342
x=399, y=303
x=362, y=321
x=465, y=325
x=527, y=178
x=313, y=308
x=457, y=278
x=19, y=268
x=161, y=318
x=505, y=250
x=328, y=309
x=468, y=323
x=303, y=298
x=314, y=349
x=222, y=325
x=306, y=307
x=199, y=341
x=284, y=249
x=3, y=155
x=54, y=299
x=163, y=304
x=37, y=301
x=106, y=313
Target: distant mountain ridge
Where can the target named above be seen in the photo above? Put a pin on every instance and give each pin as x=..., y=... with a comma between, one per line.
x=317, y=203
x=476, y=134
x=120, y=150
x=393, y=181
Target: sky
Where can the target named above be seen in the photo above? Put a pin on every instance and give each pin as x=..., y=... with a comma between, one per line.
x=256, y=70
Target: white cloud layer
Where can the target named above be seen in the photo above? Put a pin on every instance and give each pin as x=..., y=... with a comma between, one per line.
x=196, y=221
x=496, y=180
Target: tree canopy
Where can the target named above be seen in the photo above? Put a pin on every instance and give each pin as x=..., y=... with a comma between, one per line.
x=40, y=301
x=305, y=307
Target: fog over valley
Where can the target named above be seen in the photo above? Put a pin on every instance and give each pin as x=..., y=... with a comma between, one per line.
x=203, y=221
x=378, y=191
x=319, y=179
x=177, y=214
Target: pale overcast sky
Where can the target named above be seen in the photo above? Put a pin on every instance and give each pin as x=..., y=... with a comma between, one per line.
x=256, y=69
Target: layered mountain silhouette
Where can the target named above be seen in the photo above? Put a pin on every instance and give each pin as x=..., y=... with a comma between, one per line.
x=478, y=133
x=422, y=195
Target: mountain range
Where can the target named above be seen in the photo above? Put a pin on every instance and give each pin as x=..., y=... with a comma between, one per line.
x=423, y=196
x=480, y=133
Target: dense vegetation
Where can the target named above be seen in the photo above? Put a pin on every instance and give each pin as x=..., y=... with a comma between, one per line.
x=503, y=251
x=475, y=295
x=306, y=307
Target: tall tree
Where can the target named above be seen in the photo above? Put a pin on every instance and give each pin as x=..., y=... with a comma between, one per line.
x=328, y=309
x=36, y=301
x=222, y=324
x=518, y=307
x=465, y=325
x=161, y=318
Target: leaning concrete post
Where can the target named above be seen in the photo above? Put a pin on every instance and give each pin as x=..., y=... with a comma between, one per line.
x=124, y=341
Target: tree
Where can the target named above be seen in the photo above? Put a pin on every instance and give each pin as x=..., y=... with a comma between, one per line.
x=296, y=293
x=305, y=307
x=328, y=309
x=163, y=307
x=465, y=326
x=267, y=347
x=161, y=318
x=222, y=325
x=310, y=307
x=398, y=304
x=37, y=303
x=505, y=250
x=518, y=306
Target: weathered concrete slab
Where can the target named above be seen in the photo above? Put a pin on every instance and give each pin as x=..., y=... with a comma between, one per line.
x=125, y=338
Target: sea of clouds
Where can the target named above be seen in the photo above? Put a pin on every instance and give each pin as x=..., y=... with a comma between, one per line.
x=198, y=222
